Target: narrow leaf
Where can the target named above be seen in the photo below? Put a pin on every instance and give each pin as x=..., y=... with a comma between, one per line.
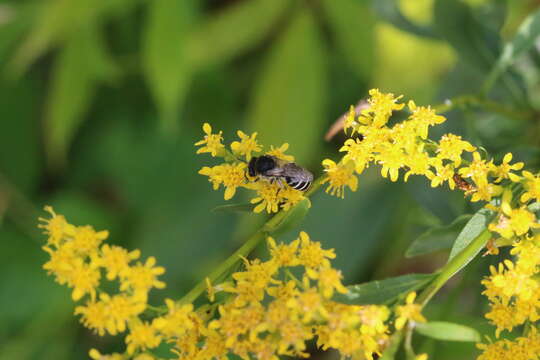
x=447, y=331
x=233, y=31
x=246, y=207
x=476, y=225
x=525, y=38
x=289, y=99
x=166, y=64
x=383, y=291
x=438, y=238
x=352, y=25
x=82, y=63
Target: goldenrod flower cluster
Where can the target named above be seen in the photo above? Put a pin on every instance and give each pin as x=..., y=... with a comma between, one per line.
x=263, y=312
x=513, y=287
x=271, y=196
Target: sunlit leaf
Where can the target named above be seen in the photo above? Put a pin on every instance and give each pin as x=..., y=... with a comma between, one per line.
x=352, y=25
x=389, y=10
x=437, y=238
x=167, y=68
x=289, y=97
x=80, y=66
x=383, y=291
x=233, y=30
x=447, y=331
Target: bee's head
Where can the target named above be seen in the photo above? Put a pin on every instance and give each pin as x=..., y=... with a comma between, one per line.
x=261, y=164
x=265, y=163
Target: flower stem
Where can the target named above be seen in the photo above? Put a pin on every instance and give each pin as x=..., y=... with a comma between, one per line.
x=270, y=226
x=453, y=266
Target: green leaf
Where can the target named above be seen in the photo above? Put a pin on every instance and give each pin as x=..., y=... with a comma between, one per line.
x=352, y=25
x=80, y=66
x=525, y=38
x=383, y=291
x=447, y=331
x=474, y=227
x=293, y=217
x=475, y=43
x=165, y=57
x=245, y=207
x=437, y=238
x=389, y=11
x=233, y=31
x=288, y=104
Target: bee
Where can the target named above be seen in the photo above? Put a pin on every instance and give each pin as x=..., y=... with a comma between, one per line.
x=274, y=169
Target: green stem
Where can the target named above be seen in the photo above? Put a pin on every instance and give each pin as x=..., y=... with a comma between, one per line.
x=453, y=266
x=475, y=100
x=270, y=226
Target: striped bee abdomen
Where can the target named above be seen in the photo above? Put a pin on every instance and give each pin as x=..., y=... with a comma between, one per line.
x=298, y=185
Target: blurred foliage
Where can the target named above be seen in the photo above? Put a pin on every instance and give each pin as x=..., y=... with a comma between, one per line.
x=102, y=101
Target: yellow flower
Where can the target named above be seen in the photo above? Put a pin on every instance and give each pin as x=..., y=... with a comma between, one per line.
x=267, y=196
x=478, y=170
x=358, y=151
x=246, y=145
x=290, y=197
x=96, y=355
x=57, y=228
x=285, y=255
x=143, y=277
x=392, y=159
x=380, y=109
x=142, y=336
x=532, y=186
x=311, y=255
x=338, y=176
x=177, y=321
x=109, y=313
x=230, y=175
x=514, y=222
x=408, y=312
x=116, y=259
x=212, y=142
x=503, y=171
x=423, y=356
x=86, y=240
x=280, y=152
x=423, y=117
x=451, y=147
x=442, y=173
x=329, y=280
x=419, y=164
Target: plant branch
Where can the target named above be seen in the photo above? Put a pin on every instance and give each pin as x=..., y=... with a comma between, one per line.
x=270, y=226
x=453, y=266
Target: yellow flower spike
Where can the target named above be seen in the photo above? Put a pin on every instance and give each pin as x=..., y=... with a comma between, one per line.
x=56, y=228
x=339, y=176
x=531, y=183
x=503, y=171
x=246, y=145
x=212, y=142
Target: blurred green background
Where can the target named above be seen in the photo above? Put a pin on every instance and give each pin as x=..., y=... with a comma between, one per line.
x=102, y=100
